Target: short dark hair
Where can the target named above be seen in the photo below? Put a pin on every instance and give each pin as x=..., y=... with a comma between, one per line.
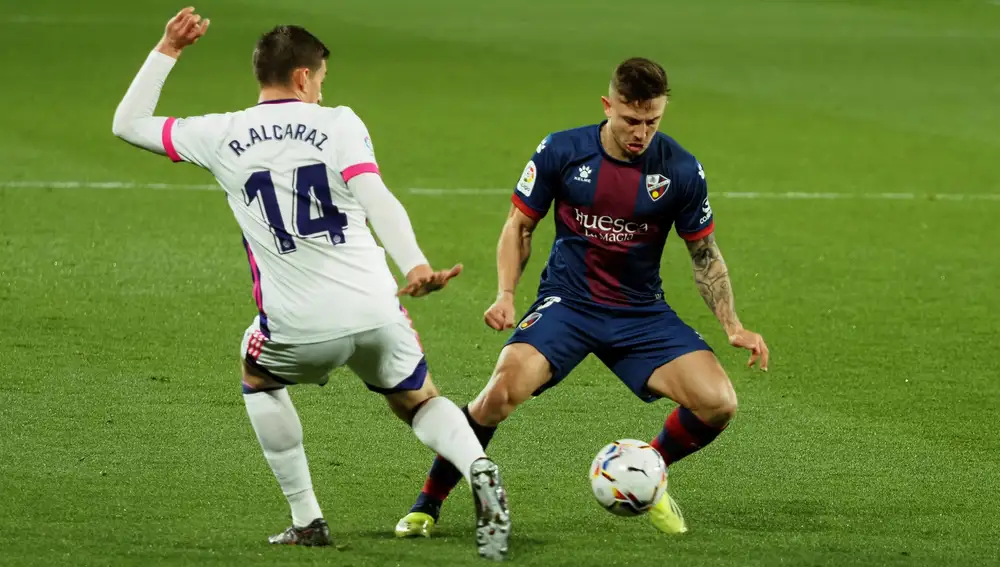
x=639, y=79
x=283, y=50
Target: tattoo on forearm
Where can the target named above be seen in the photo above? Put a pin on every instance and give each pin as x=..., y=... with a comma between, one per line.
x=712, y=278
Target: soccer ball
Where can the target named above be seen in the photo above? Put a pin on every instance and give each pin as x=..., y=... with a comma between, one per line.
x=628, y=477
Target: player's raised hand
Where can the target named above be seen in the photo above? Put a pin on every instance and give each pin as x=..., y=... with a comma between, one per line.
x=500, y=315
x=182, y=30
x=423, y=280
x=754, y=343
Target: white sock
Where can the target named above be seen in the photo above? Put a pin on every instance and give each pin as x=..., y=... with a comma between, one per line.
x=280, y=434
x=440, y=425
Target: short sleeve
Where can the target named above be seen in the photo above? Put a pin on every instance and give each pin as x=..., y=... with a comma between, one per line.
x=536, y=188
x=355, y=153
x=695, y=220
x=196, y=139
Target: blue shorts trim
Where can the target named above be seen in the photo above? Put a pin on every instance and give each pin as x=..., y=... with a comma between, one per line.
x=414, y=381
x=632, y=344
x=256, y=366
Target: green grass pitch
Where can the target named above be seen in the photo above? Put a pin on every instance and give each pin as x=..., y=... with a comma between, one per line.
x=872, y=441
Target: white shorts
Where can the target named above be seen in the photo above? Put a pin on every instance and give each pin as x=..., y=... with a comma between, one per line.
x=388, y=358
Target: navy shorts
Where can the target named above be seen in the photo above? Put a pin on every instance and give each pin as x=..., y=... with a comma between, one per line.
x=631, y=343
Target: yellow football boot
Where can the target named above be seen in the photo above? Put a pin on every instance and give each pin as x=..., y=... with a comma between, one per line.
x=415, y=524
x=666, y=516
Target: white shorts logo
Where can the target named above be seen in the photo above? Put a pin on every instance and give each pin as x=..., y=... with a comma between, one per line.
x=527, y=182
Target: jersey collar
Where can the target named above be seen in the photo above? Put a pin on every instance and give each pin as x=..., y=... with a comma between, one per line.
x=279, y=101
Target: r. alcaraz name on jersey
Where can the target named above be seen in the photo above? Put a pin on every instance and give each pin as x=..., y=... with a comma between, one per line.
x=612, y=217
x=304, y=186
x=279, y=132
x=317, y=270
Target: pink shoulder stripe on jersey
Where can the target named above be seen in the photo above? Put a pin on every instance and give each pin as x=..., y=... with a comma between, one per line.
x=691, y=237
x=168, y=140
x=357, y=169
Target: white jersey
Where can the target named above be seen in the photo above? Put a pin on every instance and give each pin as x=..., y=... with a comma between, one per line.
x=318, y=273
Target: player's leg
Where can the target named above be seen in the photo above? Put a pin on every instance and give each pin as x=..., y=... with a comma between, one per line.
x=660, y=356
x=546, y=345
x=520, y=372
x=515, y=360
x=706, y=403
x=442, y=427
x=279, y=432
x=391, y=361
x=438, y=423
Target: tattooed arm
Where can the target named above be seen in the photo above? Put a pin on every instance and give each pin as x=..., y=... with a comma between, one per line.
x=712, y=278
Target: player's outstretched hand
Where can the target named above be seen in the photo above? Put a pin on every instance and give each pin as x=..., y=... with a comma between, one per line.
x=423, y=280
x=754, y=343
x=500, y=315
x=182, y=30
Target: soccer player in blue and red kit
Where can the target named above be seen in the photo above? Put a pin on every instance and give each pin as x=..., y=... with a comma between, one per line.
x=617, y=188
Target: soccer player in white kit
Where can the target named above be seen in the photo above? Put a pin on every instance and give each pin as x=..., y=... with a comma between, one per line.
x=303, y=183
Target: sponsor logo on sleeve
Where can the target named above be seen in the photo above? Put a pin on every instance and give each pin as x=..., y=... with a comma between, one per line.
x=707, y=209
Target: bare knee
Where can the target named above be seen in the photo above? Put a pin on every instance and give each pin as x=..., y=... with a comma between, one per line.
x=498, y=400
x=697, y=382
x=518, y=374
x=718, y=408
x=406, y=403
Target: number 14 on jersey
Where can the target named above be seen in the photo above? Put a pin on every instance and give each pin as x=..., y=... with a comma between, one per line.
x=310, y=184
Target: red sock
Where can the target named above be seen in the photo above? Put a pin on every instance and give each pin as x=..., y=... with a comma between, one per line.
x=683, y=434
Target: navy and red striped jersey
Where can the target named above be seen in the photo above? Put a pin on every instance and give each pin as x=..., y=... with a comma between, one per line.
x=612, y=217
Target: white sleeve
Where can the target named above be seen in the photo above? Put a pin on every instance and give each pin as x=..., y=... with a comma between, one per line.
x=354, y=151
x=134, y=121
x=389, y=219
x=194, y=139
